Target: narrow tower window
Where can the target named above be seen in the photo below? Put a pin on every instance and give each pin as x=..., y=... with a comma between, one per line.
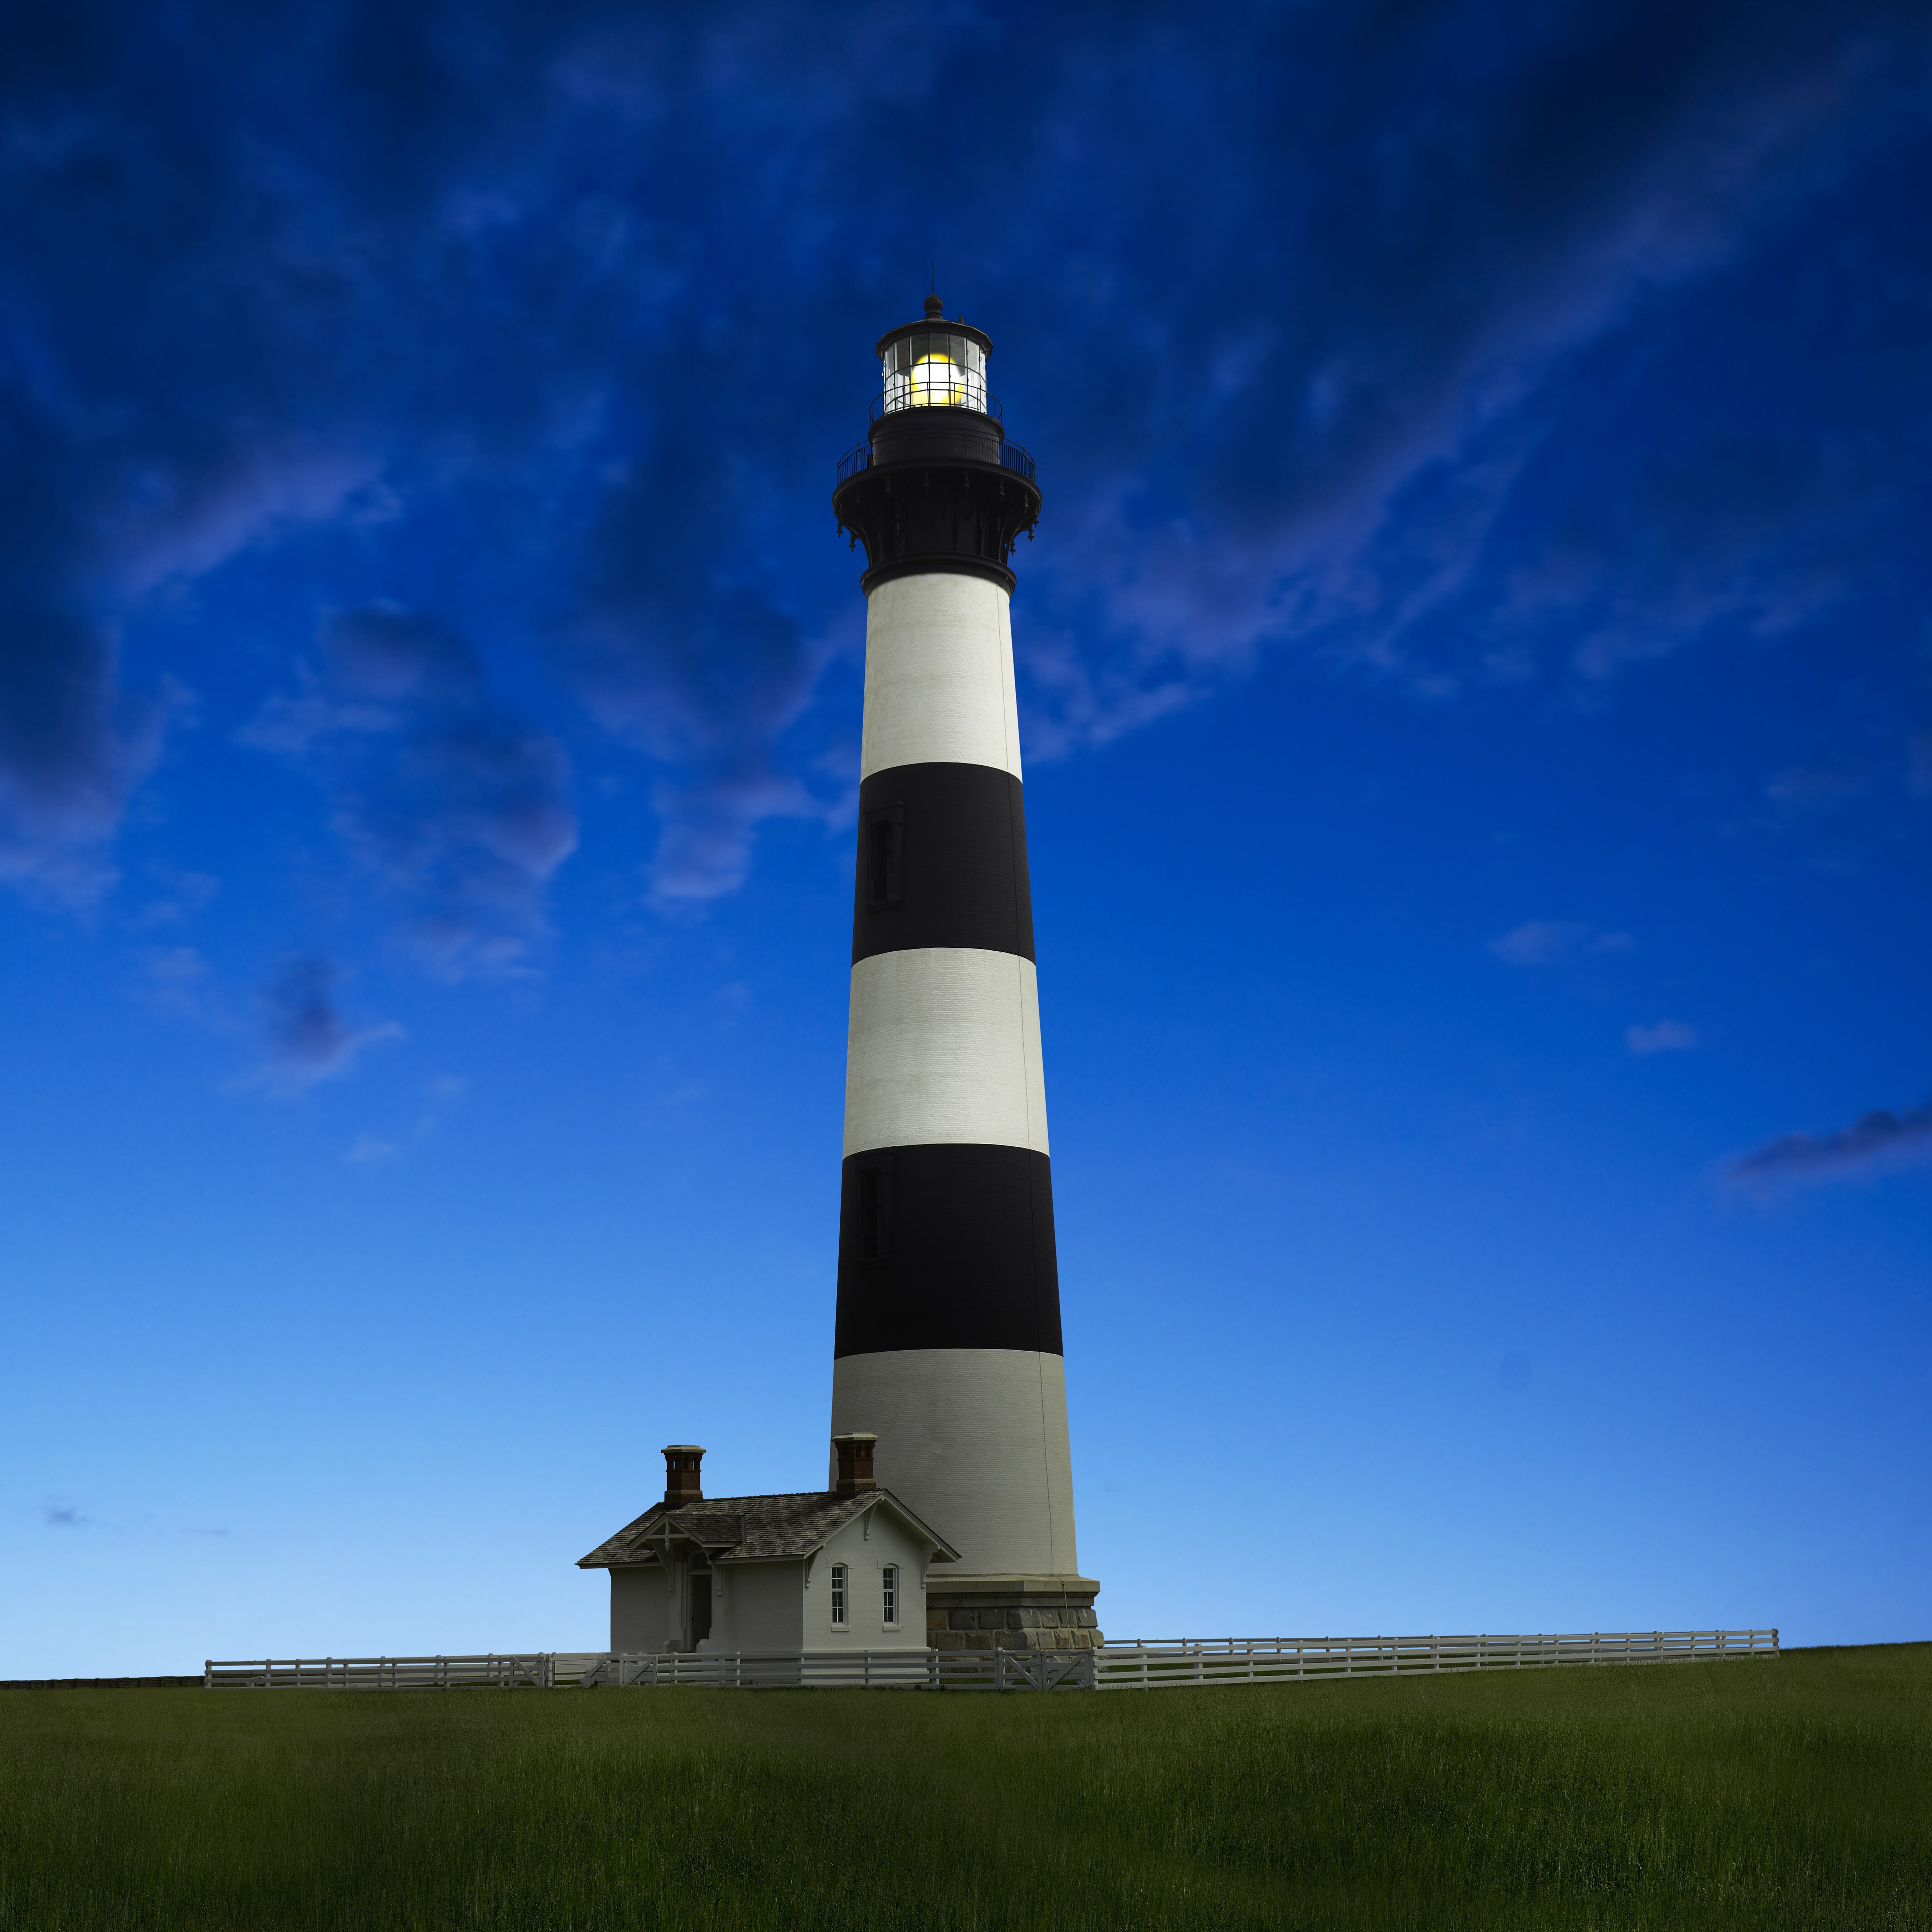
x=838, y=1596
x=890, y=1596
x=875, y=1214
x=879, y=856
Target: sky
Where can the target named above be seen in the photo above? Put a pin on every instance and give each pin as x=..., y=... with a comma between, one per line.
x=1476, y=674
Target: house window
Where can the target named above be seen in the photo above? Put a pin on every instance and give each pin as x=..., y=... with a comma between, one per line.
x=890, y=1595
x=879, y=854
x=838, y=1582
x=875, y=1214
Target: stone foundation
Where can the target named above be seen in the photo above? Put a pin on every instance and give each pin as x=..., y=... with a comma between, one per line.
x=1011, y=1612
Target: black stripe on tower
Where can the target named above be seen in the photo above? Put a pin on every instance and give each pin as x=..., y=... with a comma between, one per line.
x=947, y=1246
x=942, y=862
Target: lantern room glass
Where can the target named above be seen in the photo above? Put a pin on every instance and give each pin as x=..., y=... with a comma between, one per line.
x=935, y=369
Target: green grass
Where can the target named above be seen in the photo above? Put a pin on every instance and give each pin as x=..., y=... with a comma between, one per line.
x=1792, y=1794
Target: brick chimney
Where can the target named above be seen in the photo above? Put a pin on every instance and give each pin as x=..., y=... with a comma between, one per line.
x=855, y=1463
x=681, y=1479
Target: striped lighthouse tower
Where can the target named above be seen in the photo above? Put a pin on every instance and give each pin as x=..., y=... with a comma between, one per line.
x=948, y=1345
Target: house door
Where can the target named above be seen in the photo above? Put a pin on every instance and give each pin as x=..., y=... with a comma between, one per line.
x=700, y=1606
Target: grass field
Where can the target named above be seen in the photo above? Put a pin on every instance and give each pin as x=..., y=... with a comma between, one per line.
x=1789, y=1794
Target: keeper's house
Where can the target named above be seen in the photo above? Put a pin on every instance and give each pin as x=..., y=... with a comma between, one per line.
x=841, y=1569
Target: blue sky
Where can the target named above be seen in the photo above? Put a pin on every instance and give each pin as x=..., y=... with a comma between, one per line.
x=1478, y=692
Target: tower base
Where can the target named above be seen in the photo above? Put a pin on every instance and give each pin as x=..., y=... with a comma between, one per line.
x=1011, y=1612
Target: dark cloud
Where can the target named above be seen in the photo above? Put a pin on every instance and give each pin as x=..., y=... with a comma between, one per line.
x=1330, y=326
x=705, y=677
x=461, y=809
x=1875, y=1141
x=307, y=1037
x=390, y=654
x=63, y=1515
x=72, y=747
x=1400, y=432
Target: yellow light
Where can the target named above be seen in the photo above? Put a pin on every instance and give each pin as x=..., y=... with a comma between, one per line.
x=937, y=382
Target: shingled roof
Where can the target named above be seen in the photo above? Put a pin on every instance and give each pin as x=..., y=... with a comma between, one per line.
x=748, y=1528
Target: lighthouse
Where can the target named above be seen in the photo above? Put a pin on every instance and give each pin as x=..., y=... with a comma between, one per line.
x=948, y=1346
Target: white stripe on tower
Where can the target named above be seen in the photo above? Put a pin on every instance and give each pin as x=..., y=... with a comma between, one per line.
x=939, y=675
x=997, y=1416
x=943, y=1045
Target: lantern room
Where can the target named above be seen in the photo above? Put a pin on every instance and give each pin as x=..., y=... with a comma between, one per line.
x=935, y=364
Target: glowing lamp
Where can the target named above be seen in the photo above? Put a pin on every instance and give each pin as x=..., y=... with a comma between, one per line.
x=931, y=366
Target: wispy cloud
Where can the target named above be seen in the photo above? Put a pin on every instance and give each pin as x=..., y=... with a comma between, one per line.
x=1876, y=1142
x=459, y=809
x=179, y=897
x=1665, y=1037
x=432, y=291
x=307, y=1037
x=72, y=749
x=705, y=677
x=1547, y=942
x=176, y=980
x=1919, y=769
x=64, y=1516
x=1807, y=787
x=371, y=1150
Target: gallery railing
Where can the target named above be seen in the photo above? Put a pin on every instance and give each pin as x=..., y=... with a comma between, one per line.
x=1013, y=456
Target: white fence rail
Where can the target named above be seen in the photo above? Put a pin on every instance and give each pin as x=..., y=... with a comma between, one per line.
x=538, y=1669
x=1151, y=1666
x=1161, y=1664
x=826, y=1669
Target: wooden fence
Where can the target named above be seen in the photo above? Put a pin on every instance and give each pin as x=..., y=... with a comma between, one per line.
x=1154, y=1665
x=861, y=1669
x=542, y=1670
x=1163, y=1664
